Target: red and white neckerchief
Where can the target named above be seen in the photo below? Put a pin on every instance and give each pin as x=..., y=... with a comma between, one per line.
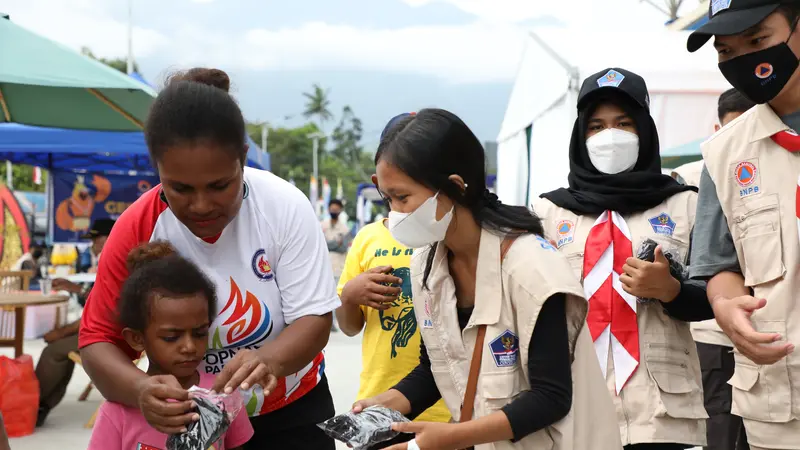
x=612, y=311
x=789, y=140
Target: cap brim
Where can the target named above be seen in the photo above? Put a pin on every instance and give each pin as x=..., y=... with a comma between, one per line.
x=729, y=23
x=589, y=97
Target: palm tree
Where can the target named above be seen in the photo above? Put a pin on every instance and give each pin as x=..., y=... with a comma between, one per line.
x=317, y=104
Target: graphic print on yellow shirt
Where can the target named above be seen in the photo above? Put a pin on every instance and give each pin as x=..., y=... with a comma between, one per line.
x=391, y=339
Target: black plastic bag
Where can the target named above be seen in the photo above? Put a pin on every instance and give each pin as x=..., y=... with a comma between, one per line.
x=216, y=411
x=370, y=427
x=647, y=252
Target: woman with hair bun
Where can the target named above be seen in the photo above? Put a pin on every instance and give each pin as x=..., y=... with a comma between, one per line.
x=255, y=236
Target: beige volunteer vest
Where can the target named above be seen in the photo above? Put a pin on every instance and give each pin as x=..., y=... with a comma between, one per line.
x=663, y=399
x=707, y=332
x=689, y=173
x=756, y=181
x=508, y=298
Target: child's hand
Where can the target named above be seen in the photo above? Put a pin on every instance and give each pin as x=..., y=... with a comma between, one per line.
x=371, y=289
x=165, y=416
x=245, y=370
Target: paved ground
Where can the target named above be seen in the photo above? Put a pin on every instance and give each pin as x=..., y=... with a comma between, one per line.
x=65, y=430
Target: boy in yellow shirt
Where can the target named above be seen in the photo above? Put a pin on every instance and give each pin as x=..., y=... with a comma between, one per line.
x=375, y=288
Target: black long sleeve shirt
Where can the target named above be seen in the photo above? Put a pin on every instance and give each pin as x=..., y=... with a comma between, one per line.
x=549, y=373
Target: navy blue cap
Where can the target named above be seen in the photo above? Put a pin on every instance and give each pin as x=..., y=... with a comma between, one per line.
x=729, y=17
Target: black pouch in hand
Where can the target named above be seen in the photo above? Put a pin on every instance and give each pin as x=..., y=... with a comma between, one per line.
x=201, y=435
x=365, y=429
x=647, y=252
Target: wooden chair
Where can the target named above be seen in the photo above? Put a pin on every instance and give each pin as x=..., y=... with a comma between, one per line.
x=76, y=358
x=12, y=327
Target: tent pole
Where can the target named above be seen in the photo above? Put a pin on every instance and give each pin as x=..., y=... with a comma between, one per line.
x=4, y=106
x=116, y=108
x=572, y=70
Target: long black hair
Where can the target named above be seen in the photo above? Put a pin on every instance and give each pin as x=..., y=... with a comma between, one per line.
x=434, y=144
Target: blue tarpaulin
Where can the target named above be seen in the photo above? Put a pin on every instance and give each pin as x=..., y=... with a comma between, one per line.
x=87, y=151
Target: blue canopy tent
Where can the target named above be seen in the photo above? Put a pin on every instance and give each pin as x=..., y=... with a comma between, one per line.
x=84, y=150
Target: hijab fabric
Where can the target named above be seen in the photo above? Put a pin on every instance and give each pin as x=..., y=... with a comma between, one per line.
x=592, y=192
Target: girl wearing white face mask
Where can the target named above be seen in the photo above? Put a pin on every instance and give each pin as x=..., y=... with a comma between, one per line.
x=501, y=315
x=638, y=310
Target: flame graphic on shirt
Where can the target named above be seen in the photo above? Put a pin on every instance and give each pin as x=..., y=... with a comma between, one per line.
x=244, y=320
x=263, y=265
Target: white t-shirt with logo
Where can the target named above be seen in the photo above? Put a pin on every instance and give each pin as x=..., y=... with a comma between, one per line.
x=270, y=267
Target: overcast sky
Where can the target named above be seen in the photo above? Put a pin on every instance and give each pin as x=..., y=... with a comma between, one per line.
x=381, y=57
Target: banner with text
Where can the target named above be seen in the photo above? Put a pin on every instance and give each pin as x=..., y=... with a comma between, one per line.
x=81, y=198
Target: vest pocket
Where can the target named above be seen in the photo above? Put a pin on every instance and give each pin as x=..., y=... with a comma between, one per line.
x=679, y=393
x=762, y=393
x=498, y=389
x=576, y=262
x=758, y=226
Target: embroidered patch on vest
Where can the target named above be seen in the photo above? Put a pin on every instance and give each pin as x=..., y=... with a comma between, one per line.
x=505, y=349
x=427, y=322
x=547, y=245
x=662, y=224
x=746, y=175
x=566, y=233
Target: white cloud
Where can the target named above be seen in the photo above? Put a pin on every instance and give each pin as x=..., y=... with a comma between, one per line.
x=79, y=23
x=619, y=14
x=488, y=49
x=469, y=53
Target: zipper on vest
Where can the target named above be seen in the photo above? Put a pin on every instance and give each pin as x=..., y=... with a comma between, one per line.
x=683, y=350
x=743, y=217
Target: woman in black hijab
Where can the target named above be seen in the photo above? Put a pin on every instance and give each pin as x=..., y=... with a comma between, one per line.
x=626, y=228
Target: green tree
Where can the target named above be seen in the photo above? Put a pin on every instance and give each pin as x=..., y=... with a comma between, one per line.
x=290, y=151
x=23, y=178
x=318, y=105
x=346, y=139
x=120, y=64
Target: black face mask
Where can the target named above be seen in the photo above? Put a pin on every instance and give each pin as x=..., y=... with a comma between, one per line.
x=334, y=215
x=762, y=75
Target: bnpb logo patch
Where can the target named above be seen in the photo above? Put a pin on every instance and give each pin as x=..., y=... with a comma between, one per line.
x=746, y=175
x=505, y=349
x=566, y=233
x=261, y=267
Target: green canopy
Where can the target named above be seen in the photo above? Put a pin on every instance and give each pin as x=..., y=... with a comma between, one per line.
x=678, y=156
x=46, y=84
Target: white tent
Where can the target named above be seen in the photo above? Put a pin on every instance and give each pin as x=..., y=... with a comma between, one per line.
x=533, y=144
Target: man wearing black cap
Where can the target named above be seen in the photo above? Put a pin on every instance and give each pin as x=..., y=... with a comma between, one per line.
x=746, y=241
x=54, y=369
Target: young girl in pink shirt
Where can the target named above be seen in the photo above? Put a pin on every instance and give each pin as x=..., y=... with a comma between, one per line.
x=166, y=307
